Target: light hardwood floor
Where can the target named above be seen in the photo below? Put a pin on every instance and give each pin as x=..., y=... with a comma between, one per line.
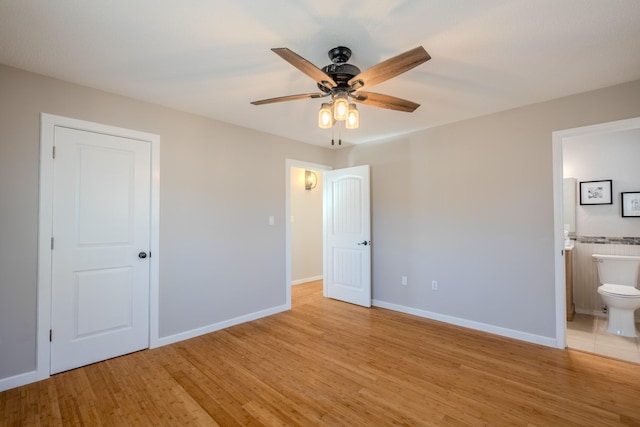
x=330, y=363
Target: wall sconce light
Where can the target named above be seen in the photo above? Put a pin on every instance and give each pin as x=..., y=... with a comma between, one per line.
x=310, y=180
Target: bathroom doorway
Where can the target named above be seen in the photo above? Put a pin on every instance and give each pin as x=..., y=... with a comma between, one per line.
x=590, y=153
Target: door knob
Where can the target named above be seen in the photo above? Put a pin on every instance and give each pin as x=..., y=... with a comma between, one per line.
x=142, y=255
x=365, y=243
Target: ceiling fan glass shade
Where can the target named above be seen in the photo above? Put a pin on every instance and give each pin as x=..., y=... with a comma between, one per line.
x=353, y=117
x=340, y=106
x=325, y=116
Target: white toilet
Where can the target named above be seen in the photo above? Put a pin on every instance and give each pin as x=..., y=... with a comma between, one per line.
x=618, y=277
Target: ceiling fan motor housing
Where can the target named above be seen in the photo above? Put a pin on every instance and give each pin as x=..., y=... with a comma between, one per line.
x=341, y=74
x=339, y=70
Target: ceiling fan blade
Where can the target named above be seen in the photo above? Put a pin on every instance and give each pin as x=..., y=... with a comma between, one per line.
x=390, y=68
x=385, y=101
x=289, y=98
x=305, y=66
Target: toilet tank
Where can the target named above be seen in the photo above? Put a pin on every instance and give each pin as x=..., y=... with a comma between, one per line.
x=618, y=269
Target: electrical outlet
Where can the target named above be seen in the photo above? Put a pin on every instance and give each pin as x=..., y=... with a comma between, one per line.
x=434, y=285
x=404, y=280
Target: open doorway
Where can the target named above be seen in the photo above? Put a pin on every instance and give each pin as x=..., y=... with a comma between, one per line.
x=304, y=225
x=586, y=154
x=346, y=235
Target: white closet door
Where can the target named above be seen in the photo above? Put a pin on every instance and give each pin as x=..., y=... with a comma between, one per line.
x=100, y=259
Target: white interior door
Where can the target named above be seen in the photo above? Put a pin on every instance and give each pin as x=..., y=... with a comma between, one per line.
x=101, y=238
x=347, y=214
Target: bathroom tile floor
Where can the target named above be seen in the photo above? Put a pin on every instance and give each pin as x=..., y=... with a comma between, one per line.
x=589, y=333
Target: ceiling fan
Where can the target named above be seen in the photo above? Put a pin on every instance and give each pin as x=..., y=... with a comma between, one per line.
x=342, y=81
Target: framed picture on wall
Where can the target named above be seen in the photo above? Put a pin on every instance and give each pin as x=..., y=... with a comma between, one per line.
x=630, y=202
x=596, y=192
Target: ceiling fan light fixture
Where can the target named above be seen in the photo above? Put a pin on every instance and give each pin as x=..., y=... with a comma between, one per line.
x=340, y=106
x=325, y=116
x=343, y=81
x=353, y=117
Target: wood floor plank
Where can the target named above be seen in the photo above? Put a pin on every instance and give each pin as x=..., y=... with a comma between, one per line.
x=328, y=363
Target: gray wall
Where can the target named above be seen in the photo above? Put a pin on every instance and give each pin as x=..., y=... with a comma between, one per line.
x=213, y=214
x=470, y=204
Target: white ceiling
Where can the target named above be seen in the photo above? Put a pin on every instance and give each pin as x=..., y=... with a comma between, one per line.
x=212, y=57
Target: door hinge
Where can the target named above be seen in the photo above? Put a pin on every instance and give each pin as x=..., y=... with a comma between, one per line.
x=52, y=243
x=54, y=151
x=50, y=335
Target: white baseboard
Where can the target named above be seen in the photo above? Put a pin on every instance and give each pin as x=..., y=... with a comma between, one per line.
x=596, y=313
x=19, y=380
x=31, y=377
x=599, y=313
x=308, y=279
x=221, y=325
x=497, y=330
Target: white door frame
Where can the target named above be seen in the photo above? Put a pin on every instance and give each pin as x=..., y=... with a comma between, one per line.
x=289, y=163
x=48, y=122
x=558, y=228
